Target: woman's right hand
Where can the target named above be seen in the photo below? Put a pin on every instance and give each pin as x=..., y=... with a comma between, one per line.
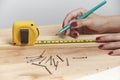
x=92, y=24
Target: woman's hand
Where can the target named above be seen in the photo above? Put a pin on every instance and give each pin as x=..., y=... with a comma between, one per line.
x=92, y=24
x=113, y=45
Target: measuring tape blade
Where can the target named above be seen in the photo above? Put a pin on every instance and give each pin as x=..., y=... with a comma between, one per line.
x=63, y=41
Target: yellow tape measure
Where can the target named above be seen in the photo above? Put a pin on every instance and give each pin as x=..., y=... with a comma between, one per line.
x=63, y=41
x=26, y=33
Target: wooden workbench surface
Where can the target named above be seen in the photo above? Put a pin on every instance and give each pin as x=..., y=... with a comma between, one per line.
x=77, y=60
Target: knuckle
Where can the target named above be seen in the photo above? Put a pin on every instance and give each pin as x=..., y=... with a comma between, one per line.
x=113, y=44
x=106, y=38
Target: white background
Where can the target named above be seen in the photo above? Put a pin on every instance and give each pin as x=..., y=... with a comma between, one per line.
x=47, y=12
x=112, y=74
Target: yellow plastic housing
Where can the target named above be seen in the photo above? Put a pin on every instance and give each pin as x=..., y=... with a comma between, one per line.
x=32, y=36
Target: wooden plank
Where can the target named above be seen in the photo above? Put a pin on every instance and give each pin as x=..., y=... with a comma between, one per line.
x=83, y=58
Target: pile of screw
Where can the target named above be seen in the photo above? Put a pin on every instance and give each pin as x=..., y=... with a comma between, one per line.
x=41, y=58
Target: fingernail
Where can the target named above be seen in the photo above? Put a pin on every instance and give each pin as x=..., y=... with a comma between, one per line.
x=74, y=24
x=101, y=46
x=75, y=34
x=98, y=38
x=110, y=53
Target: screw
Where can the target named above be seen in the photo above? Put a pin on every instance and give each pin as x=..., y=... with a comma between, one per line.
x=54, y=61
x=56, y=65
x=48, y=70
x=42, y=60
x=42, y=66
x=48, y=59
x=67, y=61
x=38, y=64
x=60, y=58
x=80, y=57
x=41, y=55
x=32, y=60
x=36, y=57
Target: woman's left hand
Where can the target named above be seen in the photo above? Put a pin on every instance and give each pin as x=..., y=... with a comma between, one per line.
x=113, y=45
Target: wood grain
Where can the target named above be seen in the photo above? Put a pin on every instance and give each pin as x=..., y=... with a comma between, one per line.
x=14, y=66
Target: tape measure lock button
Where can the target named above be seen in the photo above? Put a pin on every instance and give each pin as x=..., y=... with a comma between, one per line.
x=24, y=35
